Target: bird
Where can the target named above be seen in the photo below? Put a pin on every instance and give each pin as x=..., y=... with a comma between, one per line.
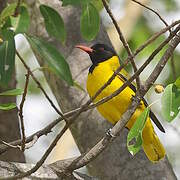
x=105, y=62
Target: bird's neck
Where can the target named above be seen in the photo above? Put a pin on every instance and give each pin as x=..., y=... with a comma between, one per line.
x=113, y=62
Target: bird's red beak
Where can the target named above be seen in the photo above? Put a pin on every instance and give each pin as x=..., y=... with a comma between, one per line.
x=85, y=48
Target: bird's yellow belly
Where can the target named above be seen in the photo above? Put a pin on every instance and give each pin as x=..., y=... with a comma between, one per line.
x=114, y=108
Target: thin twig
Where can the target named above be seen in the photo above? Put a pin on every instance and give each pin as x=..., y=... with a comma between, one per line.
x=21, y=112
x=40, y=86
x=41, y=161
x=166, y=24
x=173, y=67
x=39, y=133
x=31, y=144
x=48, y=151
x=154, y=37
x=9, y=145
x=123, y=40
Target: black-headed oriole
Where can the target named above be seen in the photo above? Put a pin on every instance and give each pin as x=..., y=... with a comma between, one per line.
x=104, y=62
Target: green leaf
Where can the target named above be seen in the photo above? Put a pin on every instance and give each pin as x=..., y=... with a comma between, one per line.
x=7, y=57
x=7, y=12
x=90, y=22
x=54, y=59
x=7, y=106
x=74, y=2
x=170, y=5
x=12, y=92
x=54, y=23
x=7, y=24
x=177, y=82
x=136, y=132
x=166, y=100
x=170, y=102
x=98, y=4
x=135, y=148
x=21, y=23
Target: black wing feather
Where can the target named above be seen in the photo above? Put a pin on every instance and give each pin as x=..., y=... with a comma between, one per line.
x=151, y=114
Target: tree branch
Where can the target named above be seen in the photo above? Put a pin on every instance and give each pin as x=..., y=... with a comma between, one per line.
x=123, y=40
x=173, y=67
x=39, y=85
x=50, y=172
x=21, y=112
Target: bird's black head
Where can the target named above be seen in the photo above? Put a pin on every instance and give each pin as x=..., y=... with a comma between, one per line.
x=98, y=52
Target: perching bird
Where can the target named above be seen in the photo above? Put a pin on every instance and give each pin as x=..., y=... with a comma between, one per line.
x=104, y=62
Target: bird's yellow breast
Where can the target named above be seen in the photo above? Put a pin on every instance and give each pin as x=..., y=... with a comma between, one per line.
x=113, y=109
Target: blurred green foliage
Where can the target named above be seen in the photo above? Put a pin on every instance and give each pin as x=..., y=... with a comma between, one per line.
x=140, y=34
x=170, y=5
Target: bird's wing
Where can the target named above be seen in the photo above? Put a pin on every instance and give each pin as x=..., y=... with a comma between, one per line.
x=151, y=114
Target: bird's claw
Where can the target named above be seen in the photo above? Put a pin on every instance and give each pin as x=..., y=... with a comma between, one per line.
x=132, y=98
x=108, y=133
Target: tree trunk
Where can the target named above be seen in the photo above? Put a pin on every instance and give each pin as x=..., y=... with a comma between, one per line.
x=9, y=122
x=115, y=162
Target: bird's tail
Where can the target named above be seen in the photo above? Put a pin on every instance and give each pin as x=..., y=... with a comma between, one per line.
x=151, y=144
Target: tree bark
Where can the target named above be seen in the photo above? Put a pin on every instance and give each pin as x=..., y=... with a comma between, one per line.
x=9, y=122
x=115, y=162
x=44, y=172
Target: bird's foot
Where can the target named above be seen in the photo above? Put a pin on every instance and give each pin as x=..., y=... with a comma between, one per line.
x=108, y=133
x=132, y=98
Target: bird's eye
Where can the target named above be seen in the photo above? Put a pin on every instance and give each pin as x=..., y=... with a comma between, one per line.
x=101, y=49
